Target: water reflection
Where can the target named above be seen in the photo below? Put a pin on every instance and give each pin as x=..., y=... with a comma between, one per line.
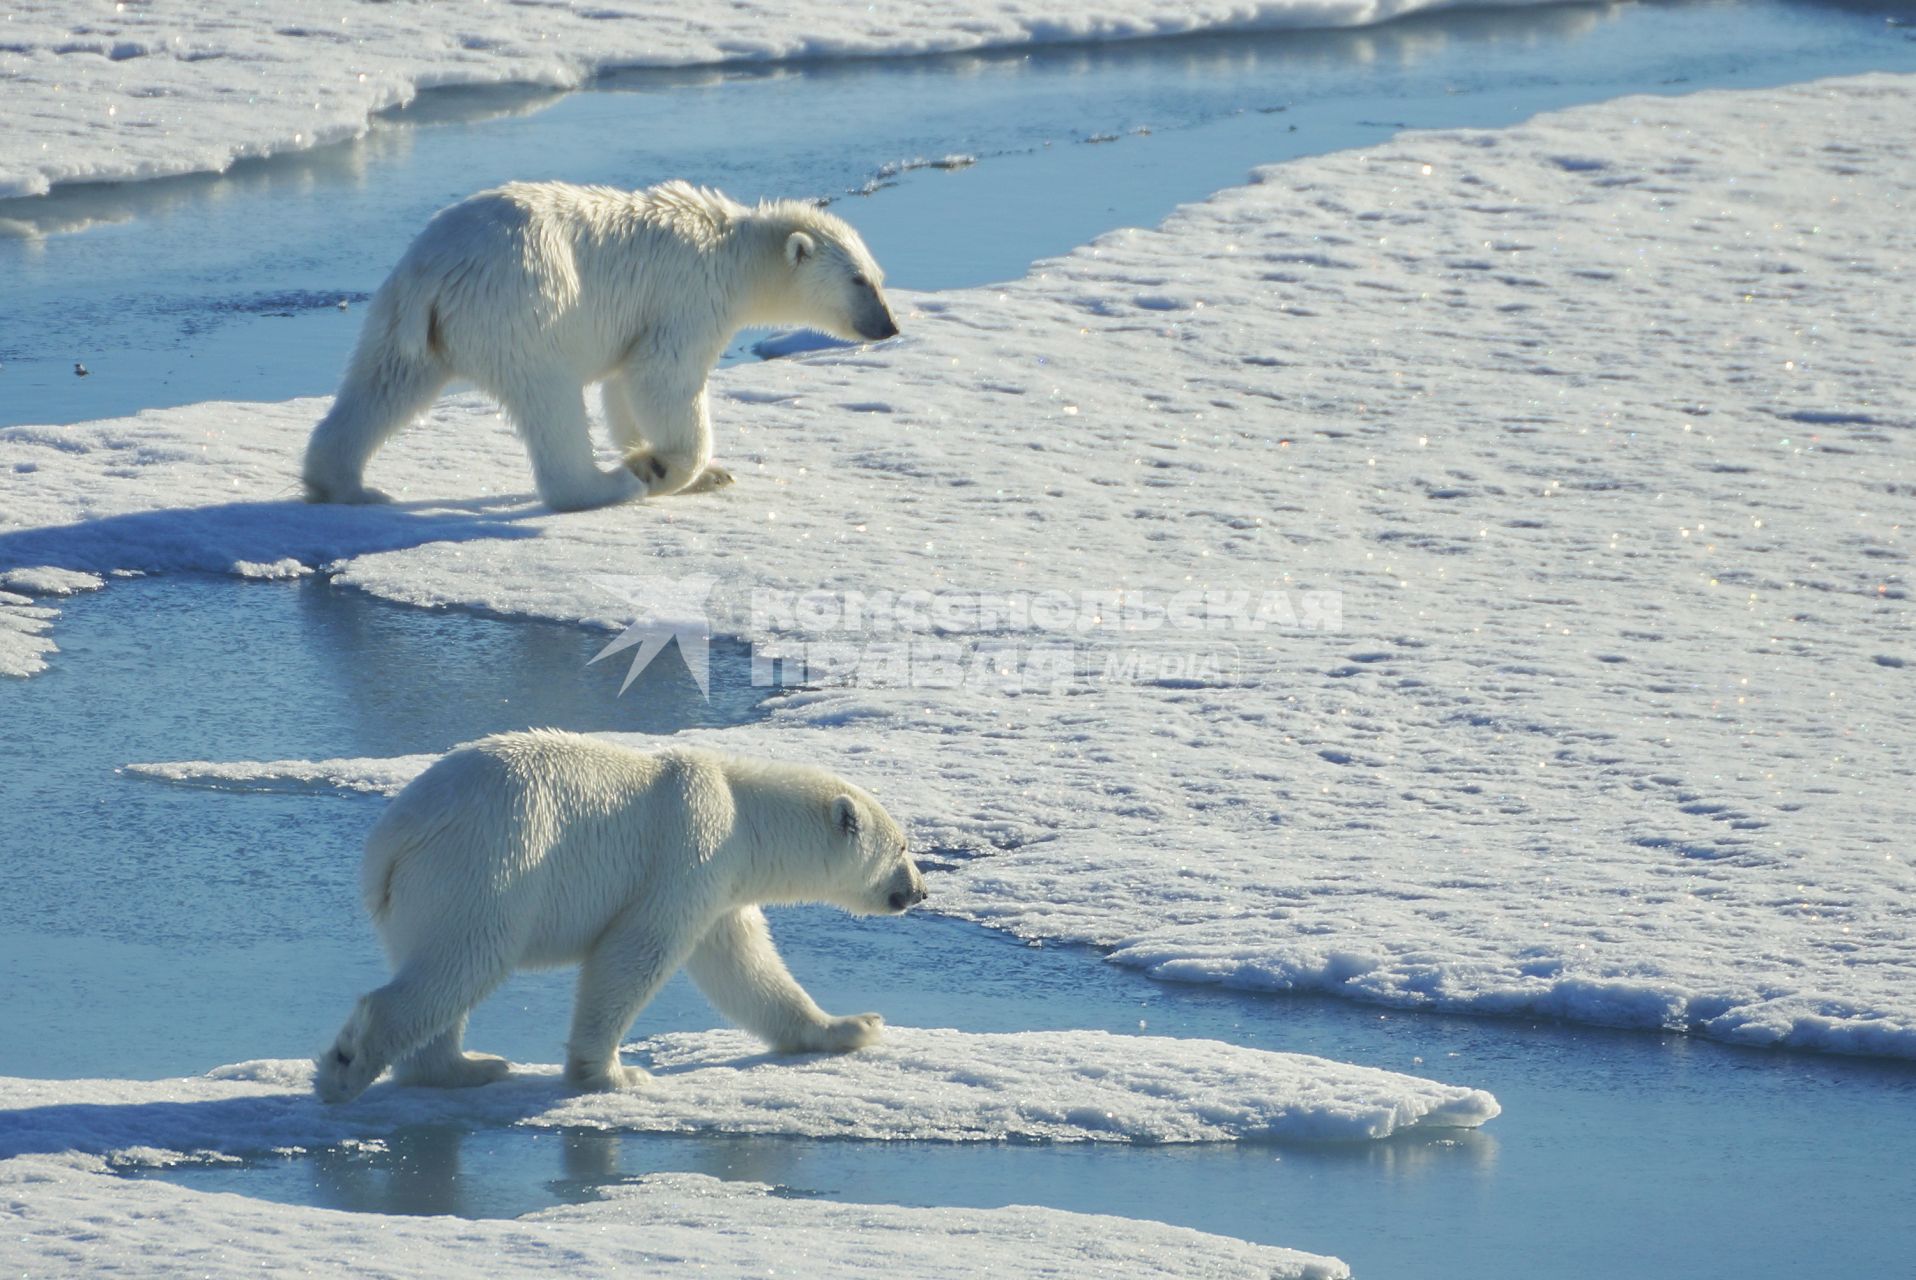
x=386, y=145
x=503, y=1173
x=468, y=680
x=77, y=207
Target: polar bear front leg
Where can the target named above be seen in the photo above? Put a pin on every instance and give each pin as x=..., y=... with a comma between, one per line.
x=621, y=974
x=740, y=972
x=621, y=420
x=642, y=460
x=550, y=416
x=668, y=431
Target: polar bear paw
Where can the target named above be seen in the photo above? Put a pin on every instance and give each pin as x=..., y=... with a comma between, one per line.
x=355, y=495
x=466, y=1071
x=345, y=1071
x=838, y=1035
x=651, y=469
x=605, y=1077
x=853, y=1031
x=713, y=477
x=663, y=475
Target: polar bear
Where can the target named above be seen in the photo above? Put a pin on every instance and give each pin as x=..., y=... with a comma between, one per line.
x=537, y=849
x=536, y=290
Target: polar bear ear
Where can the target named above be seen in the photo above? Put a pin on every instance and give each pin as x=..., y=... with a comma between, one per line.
x=798, y=247
x=845, y=815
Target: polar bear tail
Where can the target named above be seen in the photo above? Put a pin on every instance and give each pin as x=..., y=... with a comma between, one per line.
x=429, y=820
x=397, y=835
x=395, y=371
x=404, y=320
x=383, y=852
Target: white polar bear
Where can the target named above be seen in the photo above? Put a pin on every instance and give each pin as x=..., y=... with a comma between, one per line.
x=536, y=290
x=530, y=850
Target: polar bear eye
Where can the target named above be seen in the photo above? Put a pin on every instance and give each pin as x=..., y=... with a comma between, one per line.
x=861, y=281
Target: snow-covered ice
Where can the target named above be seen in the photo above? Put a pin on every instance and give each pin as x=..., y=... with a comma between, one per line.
x=380, y=776
x=147, y=90
x=62, y=1141
x=1063, y=1086
x=1598, y=425
x=26, y=634
x=26, y=624
x=48, y=581
x=915, y=1084
x=68, y=1216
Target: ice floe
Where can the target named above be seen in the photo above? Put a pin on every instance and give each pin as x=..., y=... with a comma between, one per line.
x=68, y=1216
x=145, y=91
x=915, y=1084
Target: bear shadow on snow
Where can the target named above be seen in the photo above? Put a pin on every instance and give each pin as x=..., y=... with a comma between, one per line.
x=214, y=538
x=294, y=1117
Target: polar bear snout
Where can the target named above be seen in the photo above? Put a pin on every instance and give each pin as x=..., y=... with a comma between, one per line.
x=871, y=315
x=907, y=889
x=879, y=327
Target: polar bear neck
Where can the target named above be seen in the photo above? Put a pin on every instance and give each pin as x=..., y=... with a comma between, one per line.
x=759, y=235
x=783, y=848
x=745, y=278
x=740, y=277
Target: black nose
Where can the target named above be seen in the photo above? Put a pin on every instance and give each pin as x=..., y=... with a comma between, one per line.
x=887, y=328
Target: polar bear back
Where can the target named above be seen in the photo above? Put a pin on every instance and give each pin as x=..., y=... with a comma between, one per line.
x=545, y=837
x=574, y=273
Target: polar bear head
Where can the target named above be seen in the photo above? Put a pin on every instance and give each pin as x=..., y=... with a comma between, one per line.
x=884, y=880
x=832, y=282
x=808, y=835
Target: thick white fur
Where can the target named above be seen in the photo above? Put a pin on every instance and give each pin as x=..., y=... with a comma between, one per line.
x=539, y=849
x=537, y=290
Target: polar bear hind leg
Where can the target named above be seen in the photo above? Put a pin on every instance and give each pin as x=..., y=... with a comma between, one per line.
x=620, y=420
x=737, y=967
x=425, y=1001
x=382, y=392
